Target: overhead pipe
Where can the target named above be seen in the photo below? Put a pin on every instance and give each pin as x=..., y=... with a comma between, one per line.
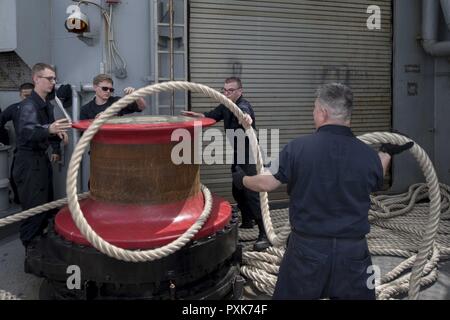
x=430, y=19
x=87, y=87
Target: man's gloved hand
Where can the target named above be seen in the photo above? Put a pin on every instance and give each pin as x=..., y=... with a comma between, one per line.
x=64, y=93
x=393, y=149
x=238, y=178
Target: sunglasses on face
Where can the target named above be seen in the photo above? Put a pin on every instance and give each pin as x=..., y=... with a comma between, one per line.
x=107, y=89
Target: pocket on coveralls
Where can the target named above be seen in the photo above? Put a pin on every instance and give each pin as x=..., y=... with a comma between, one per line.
x=309, y=270
x=357, y=278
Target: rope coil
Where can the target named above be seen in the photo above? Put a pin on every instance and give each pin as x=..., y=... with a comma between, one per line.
x=383, y=207
x=428, y=235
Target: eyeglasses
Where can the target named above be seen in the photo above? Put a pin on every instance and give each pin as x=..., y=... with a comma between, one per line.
x=229, y=90
x=49, y=78
x=107, y=89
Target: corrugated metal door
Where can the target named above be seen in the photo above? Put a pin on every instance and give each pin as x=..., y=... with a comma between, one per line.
x=283, y=50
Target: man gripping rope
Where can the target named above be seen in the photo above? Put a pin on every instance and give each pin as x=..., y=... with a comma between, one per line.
x=329, y=175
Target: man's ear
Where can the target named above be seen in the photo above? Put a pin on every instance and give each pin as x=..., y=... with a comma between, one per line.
x=324, y=112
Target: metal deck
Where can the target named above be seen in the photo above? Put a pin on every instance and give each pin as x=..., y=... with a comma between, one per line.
x=26, y=286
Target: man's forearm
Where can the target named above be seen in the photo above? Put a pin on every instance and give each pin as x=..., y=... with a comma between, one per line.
x=261, y=183
x=385, y=161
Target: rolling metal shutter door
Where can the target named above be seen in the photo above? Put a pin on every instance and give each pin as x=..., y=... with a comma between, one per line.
x=283, y=50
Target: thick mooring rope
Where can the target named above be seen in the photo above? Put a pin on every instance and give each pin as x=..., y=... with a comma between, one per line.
x=422, y=272
x=430, y=232
x=7, y=296
x=432, y=225
x=72, y=175
x=39, y=209
x=398, y=224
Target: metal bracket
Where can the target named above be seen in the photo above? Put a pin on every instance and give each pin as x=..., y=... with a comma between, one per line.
x=90, y=38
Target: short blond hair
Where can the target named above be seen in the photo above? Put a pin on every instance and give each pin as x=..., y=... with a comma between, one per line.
x=39, y=67
x=102, y=77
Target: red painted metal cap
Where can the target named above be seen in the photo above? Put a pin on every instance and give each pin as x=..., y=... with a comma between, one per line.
x=143, y=227
x=144, y=129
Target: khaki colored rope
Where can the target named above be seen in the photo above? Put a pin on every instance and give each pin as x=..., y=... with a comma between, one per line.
x=7, y=296
x=36, y=210
x=386, y=208
x=260, y=276
x=384, y=242
x=402, y=284
x=72, y=199
x=264, y=280
x=435, y=203
x=4, y=295
x=99, y=243
x=72, y=175
x=268, y=267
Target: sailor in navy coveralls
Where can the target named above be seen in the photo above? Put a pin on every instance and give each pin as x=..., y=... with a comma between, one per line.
x=329, y=175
